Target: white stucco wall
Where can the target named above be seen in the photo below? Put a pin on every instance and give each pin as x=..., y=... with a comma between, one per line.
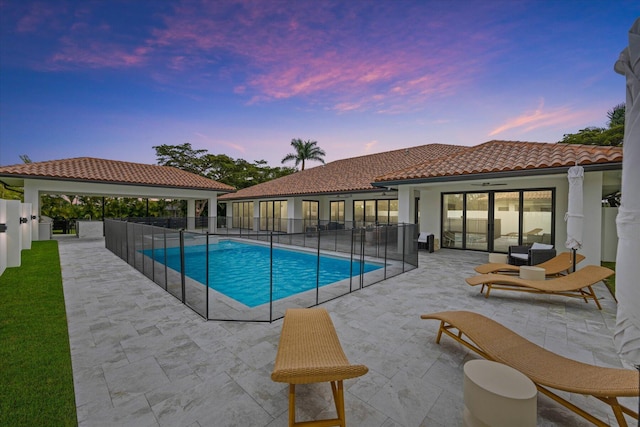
x=609, y=234
x=3, y=237
x=430, y=209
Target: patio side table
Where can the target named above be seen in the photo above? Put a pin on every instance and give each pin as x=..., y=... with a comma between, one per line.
x=497, y=395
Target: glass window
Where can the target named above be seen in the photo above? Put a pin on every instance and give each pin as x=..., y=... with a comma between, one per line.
x=372, y=212
x=383, y=212
x=337, y=211
x=452, y=210
x=506, y=220
x=477, y=221
x=242, y=215
x=393, y=211
x=495, y=220
x=310, y=213
x=537, y=216
x=369, y=212
x=273, y=215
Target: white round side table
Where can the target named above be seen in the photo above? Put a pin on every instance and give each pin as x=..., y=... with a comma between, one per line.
x=497, y=395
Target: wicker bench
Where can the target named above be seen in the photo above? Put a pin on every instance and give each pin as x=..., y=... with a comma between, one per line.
x=310, y=352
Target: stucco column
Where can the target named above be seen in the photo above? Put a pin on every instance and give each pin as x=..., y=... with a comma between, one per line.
x=294, y=215
x=191, y=214
x=213, y=212
x=405, y=203
x=26, y=228
x=32, y=196
x=430, y=212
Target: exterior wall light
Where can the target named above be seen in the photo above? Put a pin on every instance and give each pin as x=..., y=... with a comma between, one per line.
x=3, y=228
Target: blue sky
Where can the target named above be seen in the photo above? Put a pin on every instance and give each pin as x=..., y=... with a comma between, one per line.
x=111, y=79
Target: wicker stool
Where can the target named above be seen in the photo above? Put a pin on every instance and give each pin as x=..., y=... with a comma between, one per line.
x=497, y=395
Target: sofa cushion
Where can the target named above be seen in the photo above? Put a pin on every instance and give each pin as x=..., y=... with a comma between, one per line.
x=537, y=245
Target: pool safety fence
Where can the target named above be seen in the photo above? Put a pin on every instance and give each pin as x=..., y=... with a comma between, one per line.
x=209, y=286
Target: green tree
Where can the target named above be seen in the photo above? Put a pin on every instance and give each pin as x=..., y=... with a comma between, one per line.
x=616, y=115
x=613, y=135
x=237, y=173
x=181, y=156
x=304, y=150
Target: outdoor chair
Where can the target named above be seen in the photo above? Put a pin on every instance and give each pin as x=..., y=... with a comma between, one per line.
x=574, y=285
x=449, y=239
x=559, y=265
x=548, y=371
x=530, y=254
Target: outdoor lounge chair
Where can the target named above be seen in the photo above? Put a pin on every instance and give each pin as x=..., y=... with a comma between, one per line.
x=530, y=254
x=574, y=285
x=556, y=266
x=546, y=369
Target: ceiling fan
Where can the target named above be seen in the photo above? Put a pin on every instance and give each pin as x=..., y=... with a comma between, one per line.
x=489, y=184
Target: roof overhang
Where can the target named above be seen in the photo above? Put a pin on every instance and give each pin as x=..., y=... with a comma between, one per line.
x=495, y=175
x=19, y=180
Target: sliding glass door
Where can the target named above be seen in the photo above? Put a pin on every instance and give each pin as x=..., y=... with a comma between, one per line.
x=492, y=221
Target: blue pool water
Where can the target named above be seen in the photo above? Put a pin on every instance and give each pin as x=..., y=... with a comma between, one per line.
x=241, y=271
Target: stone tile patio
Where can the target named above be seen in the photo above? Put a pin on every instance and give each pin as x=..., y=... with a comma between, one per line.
x=141, y=358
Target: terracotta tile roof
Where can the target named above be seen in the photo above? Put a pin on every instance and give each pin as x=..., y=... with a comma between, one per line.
x=347, y=175
x=113, y=171
x=507, y=156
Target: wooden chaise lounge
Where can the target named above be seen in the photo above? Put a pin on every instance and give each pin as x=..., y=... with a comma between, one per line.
x=309, y=352
x=546, y=369
x=574, y=285
x=556, y=266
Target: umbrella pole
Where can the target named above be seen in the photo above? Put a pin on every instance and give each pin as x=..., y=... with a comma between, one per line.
x=574, y=259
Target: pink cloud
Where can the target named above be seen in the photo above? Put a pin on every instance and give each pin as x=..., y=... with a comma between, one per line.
x=39, y=15
x=541, y=118
x=370, y=146
x=303, y=50
x=96, y=54
x=345, y=56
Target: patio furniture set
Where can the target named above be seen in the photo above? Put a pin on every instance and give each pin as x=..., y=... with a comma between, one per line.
x=309, y=350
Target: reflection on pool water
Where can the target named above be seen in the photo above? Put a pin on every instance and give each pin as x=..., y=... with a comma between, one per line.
x=241, y=270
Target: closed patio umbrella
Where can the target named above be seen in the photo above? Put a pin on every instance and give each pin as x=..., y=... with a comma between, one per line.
x=574, y=215
x=627, y=331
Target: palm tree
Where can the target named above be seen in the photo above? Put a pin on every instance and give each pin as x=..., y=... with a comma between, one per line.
x=305, y=150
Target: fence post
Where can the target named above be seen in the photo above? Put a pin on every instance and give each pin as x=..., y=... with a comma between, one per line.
x=351, y=250
x=363, y=234
x=166, y=270
x=206, y=292
x=318, y=270
x=271, y=277
x=386, y=245
x=182, y=278
x=404, y=243
x=153, y=255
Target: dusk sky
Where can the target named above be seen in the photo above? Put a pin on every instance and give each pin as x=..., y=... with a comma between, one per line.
x=111, y=79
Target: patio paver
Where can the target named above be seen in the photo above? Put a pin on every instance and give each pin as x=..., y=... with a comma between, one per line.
x=141, y=358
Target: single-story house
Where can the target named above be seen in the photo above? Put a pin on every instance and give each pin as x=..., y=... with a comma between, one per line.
x=486, y=197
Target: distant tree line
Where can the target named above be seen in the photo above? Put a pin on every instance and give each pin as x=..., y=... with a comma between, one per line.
x=237, y=173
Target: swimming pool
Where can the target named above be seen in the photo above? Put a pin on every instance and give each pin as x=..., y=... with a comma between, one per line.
x=241, y=270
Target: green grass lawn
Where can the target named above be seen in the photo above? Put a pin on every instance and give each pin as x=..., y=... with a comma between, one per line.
x=36, y=381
